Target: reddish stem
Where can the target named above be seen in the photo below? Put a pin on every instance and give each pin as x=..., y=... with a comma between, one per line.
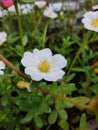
x=14, y=68
x=43, y=90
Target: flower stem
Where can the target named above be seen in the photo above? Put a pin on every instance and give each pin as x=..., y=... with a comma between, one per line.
x=45, y=33
x=43, y=90
x=38, y=23
x=85, y=42
x=14, y=68
x=19, y=23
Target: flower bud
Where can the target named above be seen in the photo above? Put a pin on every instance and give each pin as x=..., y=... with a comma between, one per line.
x=23, y=85
x=6, y=3
x=62, y=16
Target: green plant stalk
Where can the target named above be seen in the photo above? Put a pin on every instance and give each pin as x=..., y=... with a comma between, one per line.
x=38, y=23
x=45, y=33
x=19, y=23
x=85, y=42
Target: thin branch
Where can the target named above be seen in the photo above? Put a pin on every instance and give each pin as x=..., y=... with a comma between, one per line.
x=14, y=68
x=43, y=90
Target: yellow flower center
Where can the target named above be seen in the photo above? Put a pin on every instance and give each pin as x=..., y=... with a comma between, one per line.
x=95, y=22
x=50, y=14
x=44, y=66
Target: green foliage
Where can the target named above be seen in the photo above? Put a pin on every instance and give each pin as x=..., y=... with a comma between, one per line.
x=83, y=125
x=64, y=125
x=63, y=114
x=28, y=1
x=52, y=117
x=48, y=105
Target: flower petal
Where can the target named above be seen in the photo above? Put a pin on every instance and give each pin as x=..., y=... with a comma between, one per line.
x=54, y=76
x=43, y=54
x=1, y=72
x=34, y=73
x=58, y=62
x=2, y=65
x=29, y=60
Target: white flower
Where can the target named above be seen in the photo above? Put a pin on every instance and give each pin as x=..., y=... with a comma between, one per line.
x=40, y=3
x=26, y=8
x=90, y=20
x=71, y=5
x=3, y=37
x=12, y=9
x=2, y=66
x=0, y=13
x=42, y=65
x=57, y=6
x=4, y=13
x=48, y=12
x=95, y=7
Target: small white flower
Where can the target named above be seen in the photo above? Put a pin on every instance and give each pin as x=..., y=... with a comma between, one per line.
x=0, y=13
x=57, y=6
x=26, y=8
x=48, y=12
x=42, y=65
x=40, y=3
x=90, y=20
x=3, y=37
x=4, y=13
x=12, y=9
x=2, y=66
x=95, y=7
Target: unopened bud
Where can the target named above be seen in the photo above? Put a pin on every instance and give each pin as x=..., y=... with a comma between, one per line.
x=61, y=14
x=6, y=3
x=23, y=85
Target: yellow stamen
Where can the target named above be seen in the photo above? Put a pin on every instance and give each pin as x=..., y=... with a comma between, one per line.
x=50, y=14
x=44, y=66
x=95, y=22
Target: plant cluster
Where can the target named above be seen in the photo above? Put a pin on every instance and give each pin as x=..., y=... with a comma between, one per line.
x=48, y=64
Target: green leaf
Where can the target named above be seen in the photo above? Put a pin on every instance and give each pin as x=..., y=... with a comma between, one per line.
x=19, y=48
x=70, y=77
x=25, y=40
x=81, y=100
x=78, y=69
x=26, y=106
x=44, y=108
x=62, y=103
x=63, y=114
x=83, y=124
x=52, y=117
x=64, y=125
x=68, y=88
x=38, y=121
x=12, y=39
x=4, y=116
x=4, y=100
x=27, y=118
x=28, y=1
x=95, y=89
